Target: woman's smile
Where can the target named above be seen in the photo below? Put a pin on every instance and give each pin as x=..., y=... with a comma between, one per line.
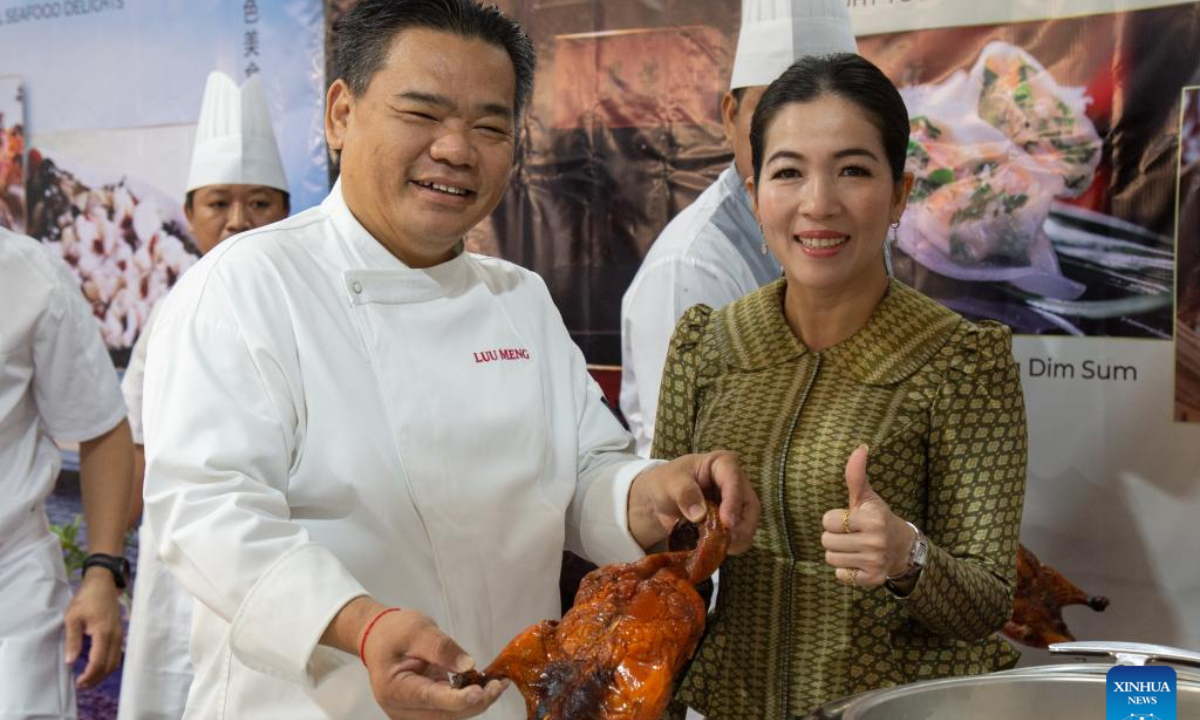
x=821, y=243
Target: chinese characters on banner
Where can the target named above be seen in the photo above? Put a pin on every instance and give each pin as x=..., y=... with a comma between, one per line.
x=250, y=39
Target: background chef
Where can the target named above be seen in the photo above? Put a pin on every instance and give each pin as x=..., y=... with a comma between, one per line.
x=56, y=383
x=235, y=183
x=713, y=252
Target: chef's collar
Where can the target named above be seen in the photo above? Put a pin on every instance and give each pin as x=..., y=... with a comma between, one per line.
x=736, y=186
x=370, y=252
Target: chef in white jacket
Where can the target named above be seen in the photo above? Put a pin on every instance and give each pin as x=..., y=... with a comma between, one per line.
x=713, y=252
x=56, y=383
x=366, y=448
x=235, y=183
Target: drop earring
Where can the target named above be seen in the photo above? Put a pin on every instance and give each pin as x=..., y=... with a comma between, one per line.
x=895, y=227
x=764, y=237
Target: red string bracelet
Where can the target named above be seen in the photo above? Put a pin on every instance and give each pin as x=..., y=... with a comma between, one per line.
x=366, y=633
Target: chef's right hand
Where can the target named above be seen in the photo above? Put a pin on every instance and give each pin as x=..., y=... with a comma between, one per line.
x=409, y=660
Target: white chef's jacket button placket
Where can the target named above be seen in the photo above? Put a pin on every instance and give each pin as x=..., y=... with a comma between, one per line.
x=356, y=286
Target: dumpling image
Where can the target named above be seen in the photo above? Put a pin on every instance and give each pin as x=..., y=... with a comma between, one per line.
x=977, y=202
x=1020, y=98
x=992, y=215
x=936, y=157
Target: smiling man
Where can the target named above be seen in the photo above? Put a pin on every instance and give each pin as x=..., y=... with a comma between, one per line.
x=368, y=447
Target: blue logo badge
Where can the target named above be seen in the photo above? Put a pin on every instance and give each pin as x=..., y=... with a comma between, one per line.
x=1141, y=693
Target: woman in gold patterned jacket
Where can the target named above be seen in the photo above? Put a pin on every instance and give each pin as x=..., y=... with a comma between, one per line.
x=884, y=434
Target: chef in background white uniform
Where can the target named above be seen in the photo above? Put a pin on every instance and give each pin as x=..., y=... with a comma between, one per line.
x=56, y=383
x=713, y=252
x=345, y=412
x=235, y=183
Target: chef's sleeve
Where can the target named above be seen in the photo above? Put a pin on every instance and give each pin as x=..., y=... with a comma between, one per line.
x=664, y=291
x=135, y=377
x=597, y=521
x=977, y=464
x=74, y=383
x=221, y=435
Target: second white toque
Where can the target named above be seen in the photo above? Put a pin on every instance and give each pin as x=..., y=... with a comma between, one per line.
x=235, y=142
x=776, y=33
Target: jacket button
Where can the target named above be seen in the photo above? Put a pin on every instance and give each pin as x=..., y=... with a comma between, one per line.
x=356, y=287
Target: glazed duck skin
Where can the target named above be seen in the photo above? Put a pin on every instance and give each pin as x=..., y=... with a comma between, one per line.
x=614, y=655
x=1042, y=593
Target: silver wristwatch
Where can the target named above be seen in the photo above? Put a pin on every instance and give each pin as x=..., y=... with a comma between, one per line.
x=916, y=557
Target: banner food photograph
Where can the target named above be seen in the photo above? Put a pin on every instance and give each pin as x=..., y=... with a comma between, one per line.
x=599, y=359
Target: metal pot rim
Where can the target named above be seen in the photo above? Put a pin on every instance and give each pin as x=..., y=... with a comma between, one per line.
x=1072, y=672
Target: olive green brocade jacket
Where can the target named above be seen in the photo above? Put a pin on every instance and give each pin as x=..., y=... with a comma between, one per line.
x=938, y=400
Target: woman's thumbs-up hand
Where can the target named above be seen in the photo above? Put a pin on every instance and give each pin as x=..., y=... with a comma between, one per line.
x=865, y=542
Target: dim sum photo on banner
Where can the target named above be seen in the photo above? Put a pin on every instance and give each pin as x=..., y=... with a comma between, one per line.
x=12, y=154
x=1043, y=195
x=1187, y=321
x=108, y=152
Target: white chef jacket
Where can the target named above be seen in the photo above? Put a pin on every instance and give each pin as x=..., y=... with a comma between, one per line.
x=135, y=376
x=323, y=421
x=710, y=253
x=157, y=670
x=56, y=381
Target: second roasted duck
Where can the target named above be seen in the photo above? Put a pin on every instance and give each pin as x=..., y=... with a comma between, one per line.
x=1042, y=592
x=614, y=655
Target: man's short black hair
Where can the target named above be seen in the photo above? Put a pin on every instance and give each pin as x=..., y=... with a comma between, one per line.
x=363, y=37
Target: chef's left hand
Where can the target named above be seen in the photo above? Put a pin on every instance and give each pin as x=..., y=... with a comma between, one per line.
x=95, y=612
x=661, y=495
x=878, y=542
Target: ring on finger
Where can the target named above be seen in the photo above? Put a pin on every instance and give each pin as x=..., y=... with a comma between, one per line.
x=846, y=521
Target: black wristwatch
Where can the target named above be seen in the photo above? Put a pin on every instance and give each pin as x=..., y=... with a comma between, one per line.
x=118, y=566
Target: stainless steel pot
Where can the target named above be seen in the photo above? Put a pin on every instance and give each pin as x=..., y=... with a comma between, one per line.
x=1035, y=693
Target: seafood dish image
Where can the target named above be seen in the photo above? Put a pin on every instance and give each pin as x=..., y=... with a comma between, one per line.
x=615, y=654
x=981, y=203
x=1020, y=98
x=1001, y=223
x=127, y=247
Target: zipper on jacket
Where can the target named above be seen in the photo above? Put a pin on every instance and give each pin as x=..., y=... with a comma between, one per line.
x=789, y=590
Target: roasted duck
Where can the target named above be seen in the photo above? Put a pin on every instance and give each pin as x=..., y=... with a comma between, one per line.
x=1042, y=593
x=614, y=655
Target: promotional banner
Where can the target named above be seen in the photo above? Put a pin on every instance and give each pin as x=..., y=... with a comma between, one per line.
x=112, y=90
x=1028, y=207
